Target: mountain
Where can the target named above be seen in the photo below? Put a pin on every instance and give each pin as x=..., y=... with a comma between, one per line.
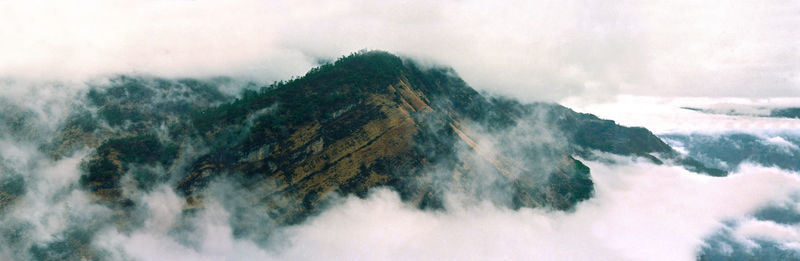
x=749, y=110
x=792, y=112
x=729, y=150
x=370, y=119
x=367, y=120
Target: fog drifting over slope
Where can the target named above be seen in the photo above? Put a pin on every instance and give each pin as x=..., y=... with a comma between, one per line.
x=640, y=211
x=535, y=50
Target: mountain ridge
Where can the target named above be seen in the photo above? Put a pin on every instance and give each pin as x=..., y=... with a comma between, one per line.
x=282, y=152
x=367, y=120
x=379, y=92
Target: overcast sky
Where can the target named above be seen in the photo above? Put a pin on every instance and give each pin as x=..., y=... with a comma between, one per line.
x=536, y=50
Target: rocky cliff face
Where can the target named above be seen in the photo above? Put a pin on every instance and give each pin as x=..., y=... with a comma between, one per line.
x=368, y=120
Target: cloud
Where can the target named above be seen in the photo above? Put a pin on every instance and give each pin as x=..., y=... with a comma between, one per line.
x=50, y=208
x=535, y=50
x=56, y=40
x=211, y=239
x=640, y=212
x=767, y=230
x=782, y=143
x=663, y=115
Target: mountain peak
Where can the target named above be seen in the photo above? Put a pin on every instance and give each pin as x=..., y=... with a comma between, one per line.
x=367, y=120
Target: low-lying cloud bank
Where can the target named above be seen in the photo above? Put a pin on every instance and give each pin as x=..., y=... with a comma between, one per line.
x=640, y=212
x=669, y=115
x=731, y=134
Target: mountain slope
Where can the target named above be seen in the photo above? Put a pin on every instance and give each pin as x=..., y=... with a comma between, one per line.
x=389, y=124
x=277, y=154
x=370, y=119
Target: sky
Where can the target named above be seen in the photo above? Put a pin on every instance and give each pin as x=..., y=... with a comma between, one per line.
x=535, y=50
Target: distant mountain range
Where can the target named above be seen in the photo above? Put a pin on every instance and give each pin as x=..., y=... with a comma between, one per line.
x=778, y=112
